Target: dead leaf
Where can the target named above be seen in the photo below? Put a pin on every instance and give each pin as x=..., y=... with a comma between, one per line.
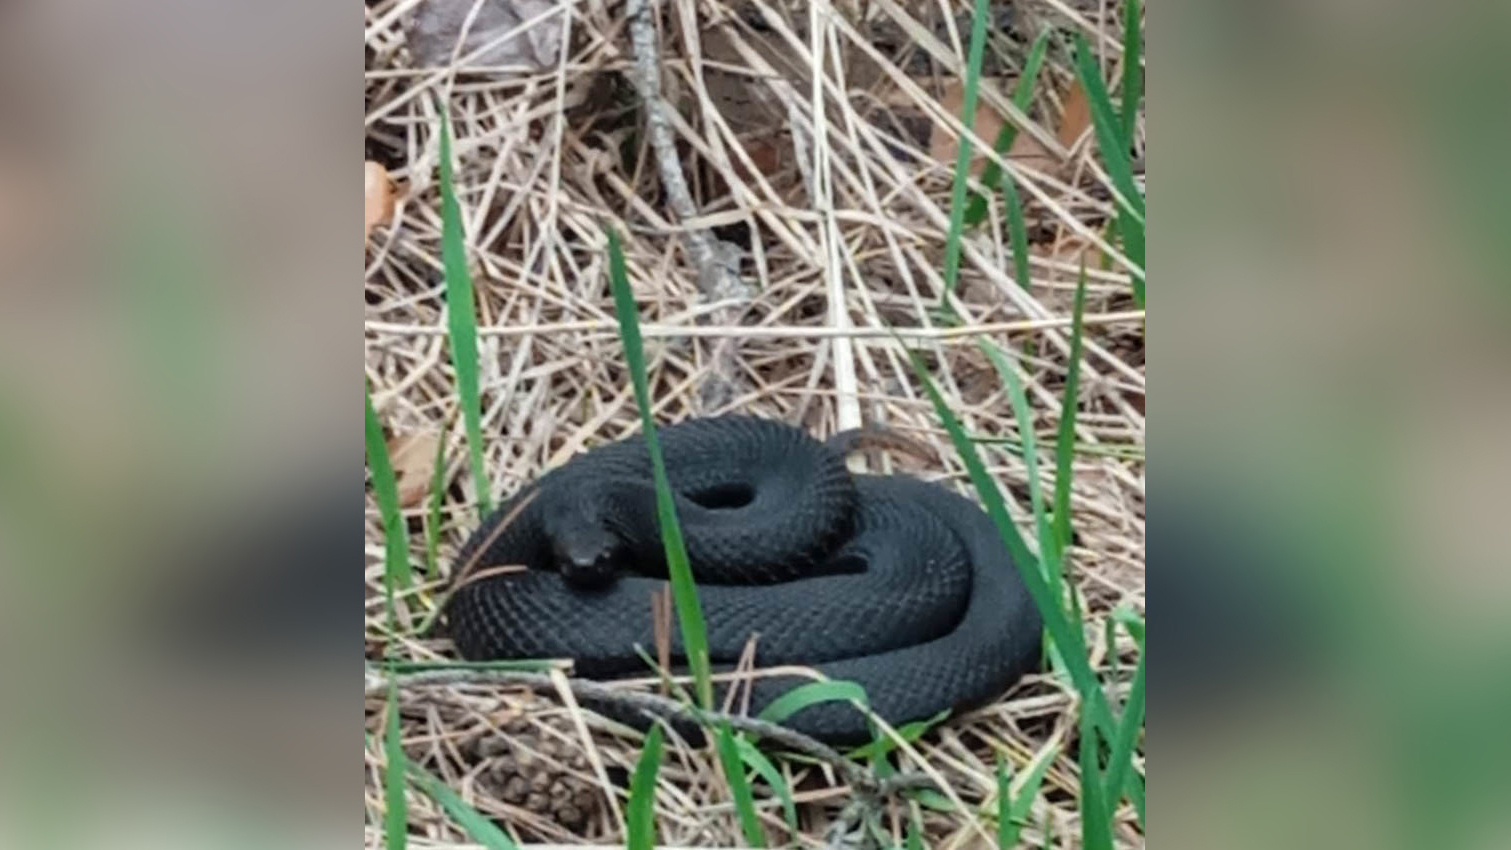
x=1077, y=115
x=1025, y=150
x=944, y=146
x=413, y=459
x=432, y=37
x=378, y=206
x=1029, y=152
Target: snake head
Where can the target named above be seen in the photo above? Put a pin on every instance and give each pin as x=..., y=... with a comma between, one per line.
x=586, y=552
x=587, y=559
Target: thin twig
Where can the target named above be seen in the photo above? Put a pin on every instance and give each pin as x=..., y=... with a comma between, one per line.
x=716, y=281
x=860, y=779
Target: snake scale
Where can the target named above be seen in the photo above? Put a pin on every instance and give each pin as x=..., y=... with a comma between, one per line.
x=891, y=582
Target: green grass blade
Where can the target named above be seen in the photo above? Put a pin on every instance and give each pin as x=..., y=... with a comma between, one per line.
x=909, y=732
x=1013, y=810
x=739, y=787
x=1109, y=637
x=985, y=487
x=640, y=813
x=1007, y=829
x=684, y=592
x=433, y=508
x=1019, y=400
x=1069, y=640
x=1065, y=444
x=812, y=693
x=929, y=798
x=914, y=839
x=397, y=572
x=762, y=765
x=461, y=318
x=1133, y=72
x=475, y=823
x=1049, y=555
x=1114, y=150
x=1017, y=233
x=1096, y=830
x=1023, y=95
x=396, y=809
x=1120, y=762
x=1132, y=622
x=1109, y=134
x=963, y=154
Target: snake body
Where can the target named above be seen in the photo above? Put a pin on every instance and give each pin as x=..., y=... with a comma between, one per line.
x=893, y=583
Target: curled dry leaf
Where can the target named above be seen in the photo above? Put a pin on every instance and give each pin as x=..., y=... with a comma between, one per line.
x=413, y=458
x=378, y=206
x=437, y=25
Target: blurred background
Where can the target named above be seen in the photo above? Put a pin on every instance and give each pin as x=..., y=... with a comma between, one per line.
x=180, y=345
x=1333, y=209
x=179, y=380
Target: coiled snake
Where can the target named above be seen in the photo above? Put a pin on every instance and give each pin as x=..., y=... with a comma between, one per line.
x=891, y=582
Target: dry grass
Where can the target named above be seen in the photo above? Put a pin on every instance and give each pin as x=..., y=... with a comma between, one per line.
x=855, y=243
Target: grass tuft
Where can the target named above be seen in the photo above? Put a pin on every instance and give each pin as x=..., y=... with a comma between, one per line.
x=1061, y=632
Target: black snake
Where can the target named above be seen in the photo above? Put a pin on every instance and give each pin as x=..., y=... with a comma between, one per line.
x=891, y=582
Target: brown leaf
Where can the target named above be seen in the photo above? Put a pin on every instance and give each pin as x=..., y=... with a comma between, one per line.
x=378, y=207
x=1025, y=150
x=1077, y=116
x=413, y=458
x=943, y=145
x=1029, y=152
